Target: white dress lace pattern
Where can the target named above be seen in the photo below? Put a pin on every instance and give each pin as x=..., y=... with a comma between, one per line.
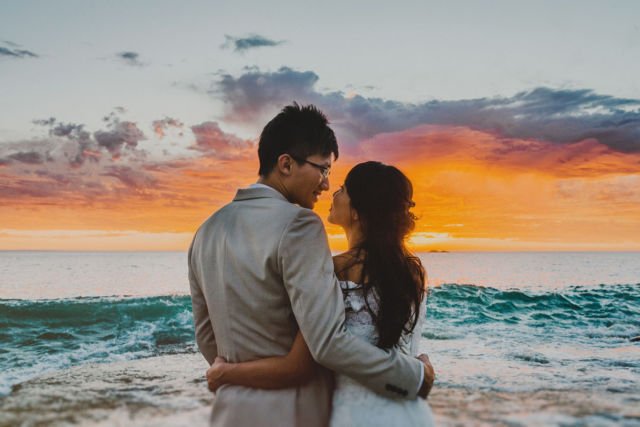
x=354, y=404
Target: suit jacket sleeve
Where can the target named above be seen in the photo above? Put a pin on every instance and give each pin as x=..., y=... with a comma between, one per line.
x=317, y=303
x=205, y=337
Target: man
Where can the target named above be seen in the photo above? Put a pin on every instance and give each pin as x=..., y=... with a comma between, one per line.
x=260, y=268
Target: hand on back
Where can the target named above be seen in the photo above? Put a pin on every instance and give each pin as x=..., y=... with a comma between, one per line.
x=215, y=373
x=429, y=376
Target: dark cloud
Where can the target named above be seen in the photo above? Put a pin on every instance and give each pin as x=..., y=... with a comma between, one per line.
x=122, y=134
x=214, y=141
x=87, y=149
x=54, y=168
x=60, y=178
x=45, y=122
x=54, y=183
x=26, y=188
x=17, y=53
x=119, y=135
x=130, y=58
x=72, y=131
x=556, y=115
x=160, y=126
x=249, y=95
x=253, y=41
x=28, y=157
x=132, y=178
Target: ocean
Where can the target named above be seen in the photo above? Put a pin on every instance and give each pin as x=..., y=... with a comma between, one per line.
x=515, y=338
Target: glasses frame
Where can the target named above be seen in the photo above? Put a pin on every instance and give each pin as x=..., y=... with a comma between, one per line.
x=324, y=170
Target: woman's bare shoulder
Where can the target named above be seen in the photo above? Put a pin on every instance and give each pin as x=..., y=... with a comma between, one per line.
x=348, y=265
x=340, y=261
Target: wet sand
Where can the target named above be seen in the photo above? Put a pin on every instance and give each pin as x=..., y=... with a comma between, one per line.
x=462, y=407
x=171, y=391
x=165, y=390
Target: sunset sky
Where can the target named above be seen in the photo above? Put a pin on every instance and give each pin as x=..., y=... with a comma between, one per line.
x=124, y=125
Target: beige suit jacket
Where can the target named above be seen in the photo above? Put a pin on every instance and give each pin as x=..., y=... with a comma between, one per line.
x=259, y=269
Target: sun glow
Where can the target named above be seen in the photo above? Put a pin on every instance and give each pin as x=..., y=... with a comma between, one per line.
x=473, y=191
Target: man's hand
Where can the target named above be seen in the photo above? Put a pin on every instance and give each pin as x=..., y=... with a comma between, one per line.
x=429, y=376
x=215, y=373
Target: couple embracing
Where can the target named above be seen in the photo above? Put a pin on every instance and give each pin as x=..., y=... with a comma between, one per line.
x=295, y=337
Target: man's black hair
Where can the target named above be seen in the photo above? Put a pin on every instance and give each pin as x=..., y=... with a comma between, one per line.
x=300, y=131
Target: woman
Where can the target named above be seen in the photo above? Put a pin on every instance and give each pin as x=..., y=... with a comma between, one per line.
x=384, y=288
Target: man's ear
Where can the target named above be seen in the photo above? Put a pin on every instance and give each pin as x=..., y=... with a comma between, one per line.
x=285, y=164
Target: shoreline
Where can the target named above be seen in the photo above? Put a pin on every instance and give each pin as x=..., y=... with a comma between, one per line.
x=171, y=390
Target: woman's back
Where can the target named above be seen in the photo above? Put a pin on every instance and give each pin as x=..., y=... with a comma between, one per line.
x=354, y=404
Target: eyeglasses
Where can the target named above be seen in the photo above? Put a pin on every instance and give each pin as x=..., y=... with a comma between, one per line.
x=324, y=170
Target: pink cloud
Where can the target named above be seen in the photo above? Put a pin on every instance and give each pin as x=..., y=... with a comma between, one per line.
x=213, y=141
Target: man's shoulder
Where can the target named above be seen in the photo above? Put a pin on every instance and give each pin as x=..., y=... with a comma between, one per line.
x=265, y=207
x=306, y=215
x=278, y=214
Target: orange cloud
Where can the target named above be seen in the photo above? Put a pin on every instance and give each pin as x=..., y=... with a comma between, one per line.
x=522, y=194
x=473, y=191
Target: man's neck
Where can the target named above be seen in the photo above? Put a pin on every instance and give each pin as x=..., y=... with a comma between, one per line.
x=274, y=183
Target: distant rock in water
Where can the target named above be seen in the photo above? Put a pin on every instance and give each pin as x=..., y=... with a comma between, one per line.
x=635, y=339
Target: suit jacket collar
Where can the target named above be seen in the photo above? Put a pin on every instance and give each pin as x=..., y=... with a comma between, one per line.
x=258, y=193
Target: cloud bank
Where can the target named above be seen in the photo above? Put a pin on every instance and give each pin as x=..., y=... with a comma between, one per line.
x=560, y=116
x=545, y=165
x=75, y=167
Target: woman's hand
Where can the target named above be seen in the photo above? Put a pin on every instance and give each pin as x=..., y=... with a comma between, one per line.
x=215, y=373
x=429, y=376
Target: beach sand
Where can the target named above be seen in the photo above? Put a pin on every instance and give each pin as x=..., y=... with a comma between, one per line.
x=463, y=407
x=171, y=391
x=164, y=390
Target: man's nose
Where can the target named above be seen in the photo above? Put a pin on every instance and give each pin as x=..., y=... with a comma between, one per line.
x=324, y=186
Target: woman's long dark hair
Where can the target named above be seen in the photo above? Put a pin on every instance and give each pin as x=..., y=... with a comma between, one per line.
x=382, y=197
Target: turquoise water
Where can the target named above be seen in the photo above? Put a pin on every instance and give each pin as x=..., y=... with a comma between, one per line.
x=44, y=335
x=478, y=337
x=515, y=338
x=577, y=338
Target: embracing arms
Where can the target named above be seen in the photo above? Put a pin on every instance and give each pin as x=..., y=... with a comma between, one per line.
x=293, y=369
x=317, y=303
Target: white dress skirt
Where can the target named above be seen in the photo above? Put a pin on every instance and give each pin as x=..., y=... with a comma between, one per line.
x=355, y=405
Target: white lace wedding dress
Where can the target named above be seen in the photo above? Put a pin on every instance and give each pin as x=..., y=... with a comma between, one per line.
x=355, y=405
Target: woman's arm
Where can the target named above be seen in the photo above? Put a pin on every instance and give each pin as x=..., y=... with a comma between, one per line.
x=294, y=369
